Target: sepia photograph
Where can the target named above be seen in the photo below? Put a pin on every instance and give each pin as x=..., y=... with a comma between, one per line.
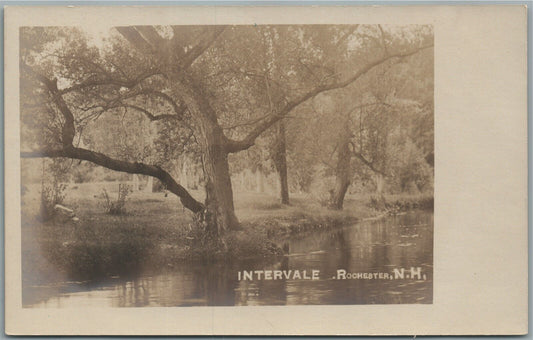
x=265, y=170
x=226, y=165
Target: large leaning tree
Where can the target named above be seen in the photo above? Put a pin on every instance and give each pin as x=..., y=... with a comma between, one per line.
x=225, y=84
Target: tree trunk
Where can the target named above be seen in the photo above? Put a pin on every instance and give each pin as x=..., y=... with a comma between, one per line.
x=259, y=181
x=343, y=174
x=280, y=162
x=243, y=181
x=135, y=182
x=184, y=176
x=220, y=211
x=219, y=214
x=380, y=183
x=149, y=185
x=284, y=186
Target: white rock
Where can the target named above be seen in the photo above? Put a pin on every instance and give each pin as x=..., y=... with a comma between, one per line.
x=63, y=209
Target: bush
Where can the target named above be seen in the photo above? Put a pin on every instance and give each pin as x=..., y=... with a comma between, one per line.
x=158, y=186
x=246, y=245
x=117, y=207
x=394, y=205
x=199, y=234
x=321, y=190
x=377, y=203
x=82, y=174
x=50, y=196
x=54, y=193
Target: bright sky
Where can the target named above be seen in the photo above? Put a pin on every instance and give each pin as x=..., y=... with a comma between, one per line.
x=98, y=33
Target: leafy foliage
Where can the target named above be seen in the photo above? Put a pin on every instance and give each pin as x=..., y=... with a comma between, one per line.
x=51, y=195
x=117, y=207
x=52, y=188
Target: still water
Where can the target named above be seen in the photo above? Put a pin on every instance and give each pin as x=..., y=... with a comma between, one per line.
x=390, y=258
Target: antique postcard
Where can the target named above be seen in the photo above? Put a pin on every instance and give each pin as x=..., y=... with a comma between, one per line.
x=266, y=170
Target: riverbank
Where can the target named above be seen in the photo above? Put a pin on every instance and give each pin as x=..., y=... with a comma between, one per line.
x=156, y=231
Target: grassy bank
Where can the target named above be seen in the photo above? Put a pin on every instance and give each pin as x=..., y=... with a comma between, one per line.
x=394, y=204
x=155, y=230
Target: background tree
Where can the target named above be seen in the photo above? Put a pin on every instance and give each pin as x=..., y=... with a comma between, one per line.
x=370, y=126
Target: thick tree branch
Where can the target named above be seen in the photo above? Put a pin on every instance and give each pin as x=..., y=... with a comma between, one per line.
x=69, y=151
x=83, y=59
x=365, y=161
x=383, y=42
x=178, y=109
x=249, y=140
x=348, y=34
x=369, y=164
x=127, y=83
x=145, y=38
x=246, y=123
x=148, y=114
x=68, y=130
x=151, y=36
x=119, y=102
x=129, y=167
x=132, y=35
x=205, y=42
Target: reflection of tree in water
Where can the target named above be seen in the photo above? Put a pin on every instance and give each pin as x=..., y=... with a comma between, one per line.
x=194, y=285
x=345, y=250
x=372, y=246
x=133, y=293
x=263, y=292
x=218, y=284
